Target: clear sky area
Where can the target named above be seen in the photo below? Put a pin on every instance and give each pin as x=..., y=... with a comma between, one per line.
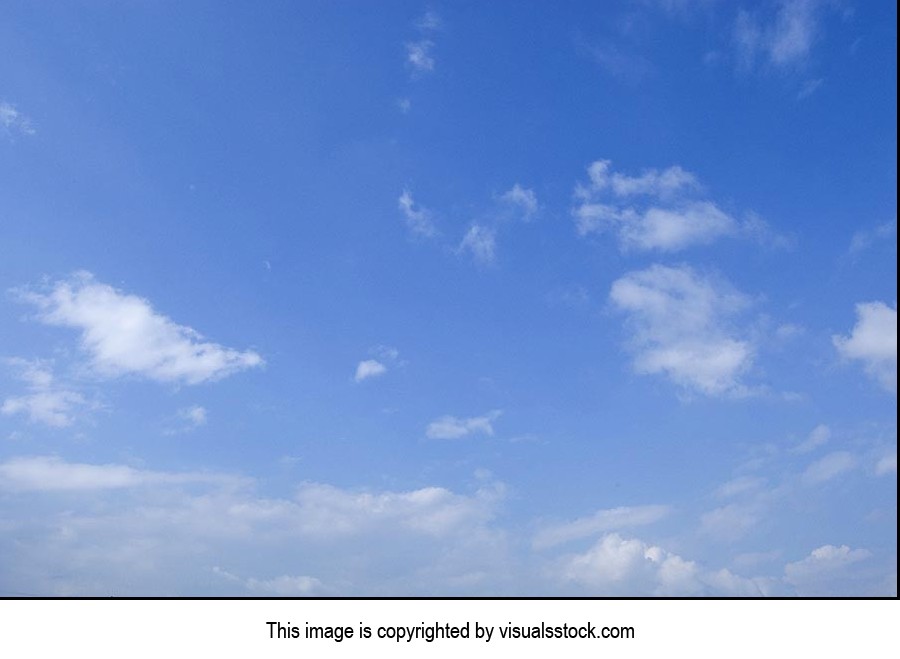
x=462, y=298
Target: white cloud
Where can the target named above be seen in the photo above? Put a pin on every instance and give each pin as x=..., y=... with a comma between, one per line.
x=369, y=368
x=523, y=199
x=739, y=485
x=418, y=220
x=418, y=56
x=629, y=566
x=651, y=182
x=429, y=21
x=823, y=569
x=886, y=465
x=13, y=122
x=52, y=474
x=783, y=41
x=481, y=242
x=873, y=341
x=285, y=586
x=673, y=222
x=866, y=238
x=601, y=521
x=47, y=401
x=152, y=533
x=829, y=467
x=680, y=324
x=451, y=427
x=816, y=438
x=731, y=522
x=195, y=415
x=124, y=335
x=671, y=230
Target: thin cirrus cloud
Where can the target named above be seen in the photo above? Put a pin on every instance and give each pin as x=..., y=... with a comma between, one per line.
x=52, y=474
x=601, y=521
x=873, y=341
x=654, y=211
x=124, y=335
x=680, y=324
x=451, y=427
x=46, y=401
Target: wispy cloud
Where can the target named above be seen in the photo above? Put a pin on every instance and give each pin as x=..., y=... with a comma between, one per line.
x=481, y=242
x=819, y=436
x=656, y=210
x=451, y=427
x=419, y=57
x=681, y=328
x=418, y=220
x=52, y=474
x=124, y=335
x=829, y=467
x=783, y=40
x=823, y=570
x=866, y=238
x=873, y=341
x=522, y=199
x=13, y=122
x=602, y=521
x=46, y=401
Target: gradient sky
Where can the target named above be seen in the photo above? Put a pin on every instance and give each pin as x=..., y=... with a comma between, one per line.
x=347, y=298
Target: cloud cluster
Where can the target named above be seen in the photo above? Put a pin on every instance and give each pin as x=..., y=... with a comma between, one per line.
x=681, y=328
x=419, y=56
x=124, y=335
x=656, y=210
x=873, y=341
x=46, y=401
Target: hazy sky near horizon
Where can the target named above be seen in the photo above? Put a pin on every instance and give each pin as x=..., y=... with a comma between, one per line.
x=349, y=298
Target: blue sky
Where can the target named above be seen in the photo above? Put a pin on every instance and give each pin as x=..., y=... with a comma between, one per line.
x=463, y=298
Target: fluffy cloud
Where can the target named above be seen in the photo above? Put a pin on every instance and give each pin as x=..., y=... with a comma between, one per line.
x=385, y=357
x=782, y=41
x=601, y=521
x=451, y=427
x=13, y=122
x=873, y=341
x=680, y=325
x=628, y=566
x=47, y=401
x=418, y=220
x=481, y=242
x=124, y=335
x=653, y=211
x=369, y=368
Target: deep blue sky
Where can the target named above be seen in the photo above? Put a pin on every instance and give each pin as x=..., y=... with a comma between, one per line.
x=459, y=298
